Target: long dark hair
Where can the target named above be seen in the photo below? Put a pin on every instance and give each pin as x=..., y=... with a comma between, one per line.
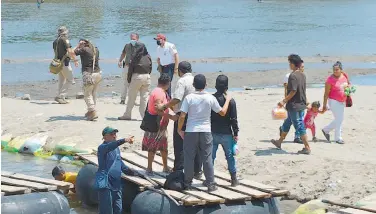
x=139, y=50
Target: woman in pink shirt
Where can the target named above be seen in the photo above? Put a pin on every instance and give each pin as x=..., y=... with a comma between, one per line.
x=155, y=123
x=336, y=98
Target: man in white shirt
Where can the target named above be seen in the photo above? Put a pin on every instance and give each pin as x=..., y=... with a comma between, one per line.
x=197, y=136
x=167, y=57
x=183, y=88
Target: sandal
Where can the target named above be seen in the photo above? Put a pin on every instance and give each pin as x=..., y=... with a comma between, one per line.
x=149, y=172
x=327, y=136
x=304, y=151
x=168, y=170
x=276, y=144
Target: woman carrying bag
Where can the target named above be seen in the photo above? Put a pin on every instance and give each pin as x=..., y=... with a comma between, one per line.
x=155, y=123
x=335, y=96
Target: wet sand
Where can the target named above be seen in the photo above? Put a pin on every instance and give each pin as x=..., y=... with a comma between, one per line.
x=48, y=89
x=344, y=173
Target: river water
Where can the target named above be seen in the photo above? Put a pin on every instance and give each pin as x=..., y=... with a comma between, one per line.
x=35, y=166
x=199, y=28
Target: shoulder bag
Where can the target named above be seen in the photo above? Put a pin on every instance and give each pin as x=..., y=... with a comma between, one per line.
x=56, y=64
x=349, y=101
x=150, y=123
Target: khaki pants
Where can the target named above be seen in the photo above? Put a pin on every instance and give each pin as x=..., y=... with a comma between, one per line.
x=65, y=79
x=139, y=83
x=90, y=92
x=126, y=85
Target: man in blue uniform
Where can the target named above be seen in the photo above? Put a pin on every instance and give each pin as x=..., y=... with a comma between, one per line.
x=111, y=165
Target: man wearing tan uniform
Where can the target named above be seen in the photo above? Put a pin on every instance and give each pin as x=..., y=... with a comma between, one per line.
x=91, y=75
x=62, y=46
x=124, y=62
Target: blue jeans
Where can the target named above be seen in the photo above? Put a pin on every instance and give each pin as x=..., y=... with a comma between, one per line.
x=110, y=201
x=295, y=118
x=169, y=69
x=226, y=141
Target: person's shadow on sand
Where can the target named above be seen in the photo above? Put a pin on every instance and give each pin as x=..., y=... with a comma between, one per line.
x=116, y=119
x=66, y=117
x=271, y=151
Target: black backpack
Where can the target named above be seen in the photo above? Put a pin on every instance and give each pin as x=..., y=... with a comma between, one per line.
x=175, y=181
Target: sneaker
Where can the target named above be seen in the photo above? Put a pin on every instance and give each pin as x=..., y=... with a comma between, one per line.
x=198, y=175
x=314, y=139
x=91, y=116
x=188, y=187
x=124, y=118
x=304, y=151
x=298, y=140
x=60, y=100
x=234, y=180
x=122, y=102
x=212, y=188
x=327, y=136
x=340, y=142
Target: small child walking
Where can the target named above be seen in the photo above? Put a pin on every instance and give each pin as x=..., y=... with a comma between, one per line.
x=309, y=120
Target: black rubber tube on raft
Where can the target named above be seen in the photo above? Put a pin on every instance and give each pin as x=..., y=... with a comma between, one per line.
x=89, y=195
x=150, y=202
x=35, y=203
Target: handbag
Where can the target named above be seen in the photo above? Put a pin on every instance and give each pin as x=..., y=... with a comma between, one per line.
x=101, y=177
x=56, y=64
x=349, y=101
x=150, y=123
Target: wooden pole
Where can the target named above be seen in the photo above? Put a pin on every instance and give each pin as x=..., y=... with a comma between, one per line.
x=348, y=206
x=163, y=191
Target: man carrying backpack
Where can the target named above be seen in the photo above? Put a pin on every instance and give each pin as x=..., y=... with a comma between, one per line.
x=64, y=52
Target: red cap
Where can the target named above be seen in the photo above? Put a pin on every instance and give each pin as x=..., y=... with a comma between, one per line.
x=160, y=36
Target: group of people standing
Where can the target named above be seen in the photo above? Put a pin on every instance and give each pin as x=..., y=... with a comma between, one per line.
x=202, y=121
x=296, y=103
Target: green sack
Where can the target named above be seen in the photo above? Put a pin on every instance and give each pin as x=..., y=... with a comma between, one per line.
x=67, y=150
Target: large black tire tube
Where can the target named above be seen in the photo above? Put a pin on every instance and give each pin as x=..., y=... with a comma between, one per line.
x=35, y=203
x=150, y=202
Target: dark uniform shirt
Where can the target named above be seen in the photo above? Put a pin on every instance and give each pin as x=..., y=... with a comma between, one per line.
x=62, y=44
x=227, y=124
x=86, y=54
x=109, y=155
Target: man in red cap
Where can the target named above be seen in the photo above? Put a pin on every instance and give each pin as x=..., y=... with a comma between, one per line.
x=167, y=57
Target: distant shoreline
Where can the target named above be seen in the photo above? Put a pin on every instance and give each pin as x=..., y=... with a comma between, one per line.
x=281, y=59
x=114, y=83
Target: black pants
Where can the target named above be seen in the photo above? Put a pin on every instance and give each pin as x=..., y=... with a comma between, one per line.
x=179, y=153
x=169, y=69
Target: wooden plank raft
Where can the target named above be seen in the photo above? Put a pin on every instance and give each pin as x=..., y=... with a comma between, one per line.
x=93, y=159
x=274, y=191
x=220, y=182
x=12, y=190
x=185, y=199
x=33, y=185
x=197, y=184
x=59, y=184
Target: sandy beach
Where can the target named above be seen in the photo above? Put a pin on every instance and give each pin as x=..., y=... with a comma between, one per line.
x=345, y=173
x=114, y=83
